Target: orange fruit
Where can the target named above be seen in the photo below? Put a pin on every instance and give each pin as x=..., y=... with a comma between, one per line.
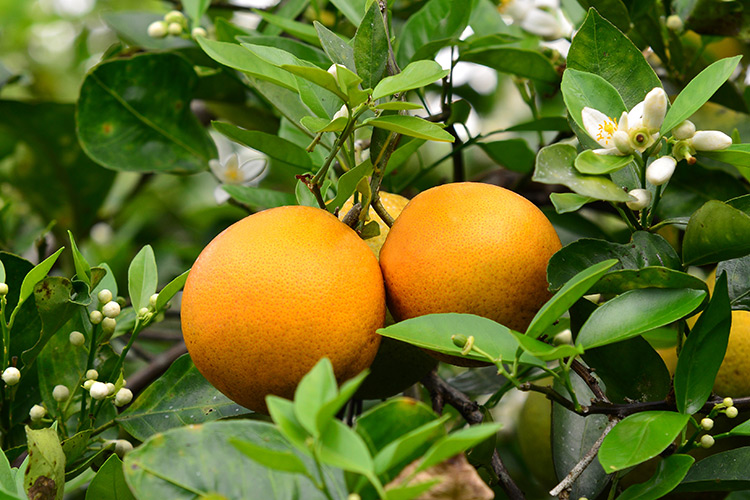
x=393, y=204
x=469, y=248
x=276, y=292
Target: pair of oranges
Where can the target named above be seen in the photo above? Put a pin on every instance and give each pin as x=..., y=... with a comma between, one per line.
x=280, y=289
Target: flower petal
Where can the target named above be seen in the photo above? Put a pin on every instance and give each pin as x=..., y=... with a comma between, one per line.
x=654, y=108
x=599, y=126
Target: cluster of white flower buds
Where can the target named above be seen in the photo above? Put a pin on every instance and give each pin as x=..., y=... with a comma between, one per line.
x=174, y=23
x=102, y=390
x=109, y=310
x=688, y=141
x=726, y=407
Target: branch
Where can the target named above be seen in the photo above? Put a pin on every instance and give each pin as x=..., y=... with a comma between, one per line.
x=552, y=395
x=585, y=374
x=440, y=392
x=576, y=471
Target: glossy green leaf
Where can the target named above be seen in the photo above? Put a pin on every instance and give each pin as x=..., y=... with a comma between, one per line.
x=716, y=232
x=568, y=295
x=623, y=280
x=434, y=332
x=170, y=290
x=600, y=48
x=556, y=123
x=331, y=407
x=259, y=198
x=82, y=267
x=668, y=475
x=406, y=446
x=317, y=76
x=635, y=312
x=300, y=50
x=736, y=154
x=282, y=413
x=545, y=351
x=341, y=447
x=437, y=20
x=525, y=63
x=182, y=396
x=45, y=477
x=456, y=443
x=724, y=471
x=353, y=10
x=142, y=277
x=396, y=417
x=318, y=125
x=195, y=9
x=123, y=127
x=335, y=47
x=698, y=92
x=513, y=154
x=703, y=352
x=589, y=162
x=581, y=89
x=398, y=106
x=348, y=184
x=37, y=274
x=640, y=437
x=276, y=148
x=614, y=11
x=371, y=47
x=644, y=249
x=282, y=460
x=315, y=389
x=568, y=202
x=303, y=31
x=738, y=281
x=416, y=75
x=554, y=165
x=2, y=272
x=154, y=471
x=411, y=491
x=109, y=482
x=411, y=126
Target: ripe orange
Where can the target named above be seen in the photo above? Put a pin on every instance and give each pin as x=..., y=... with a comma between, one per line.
x=470, y=248
x=276, y=292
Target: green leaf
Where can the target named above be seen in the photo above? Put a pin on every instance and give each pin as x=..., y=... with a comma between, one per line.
x=277, y=148
x=513, y=154
x=411, y=126
x=703, y=352
x=568, y=202
x=437, y=20
x=273, y=459
x=456, y=443
x=724, y=471
x=386, y=422
x=300, y=50
x=317, y=76
x=37, y=274
x=525, y=63
x=195, y=9
x=123, y=127
x=581, y=89
x=668, y=475
x=316, y=388
x=411, y=491
x=602, y=49
x=132, y=28
x=303, y=31
x=623, y=280
x=211, y=467
x=416, y=75
x=335, y=48
x=545, y=351
x=348, y=184
x=698, y=92
x=644, y=249
x=640, y=437
x=317, y=125
x=45, y=477
x=2, y=272
x=8, y=481
x=555, y=123
x=614, y=11
x=371, y=47
x=170, y=290
x=716, y=232
x=341, y=447
x=282, y=413
x=352, y=10
x=182, y=396
x=398, y=106
x=331, y=407
x=554, y=165
x=635, y=312
x=568, y=295
x=736, y=154
x=142, y=277
x=738, y=281
x=82, y=267
x=405, y=447
x=109, y=482
x=434, y=332
x=259, y=198
x=589, y=162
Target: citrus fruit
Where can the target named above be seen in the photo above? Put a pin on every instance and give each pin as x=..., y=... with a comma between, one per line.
x=469, y=248
x=276, y=292
x=393, y=204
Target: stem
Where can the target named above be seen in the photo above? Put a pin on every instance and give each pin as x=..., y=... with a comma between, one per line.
x=6, y=333
x=652, y=211
x=551, y=394
x=322, y=485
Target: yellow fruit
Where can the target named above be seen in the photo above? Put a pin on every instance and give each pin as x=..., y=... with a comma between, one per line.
x=469, y=248
x=393, y=204
x=276, y=292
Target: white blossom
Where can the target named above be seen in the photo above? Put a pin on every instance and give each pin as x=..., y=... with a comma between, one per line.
x=233, y=173
x=660, y=170
x=642, y=199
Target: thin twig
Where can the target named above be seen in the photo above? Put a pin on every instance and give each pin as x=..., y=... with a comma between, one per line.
x=576, y=471
x=551, y=394
x=585, y=373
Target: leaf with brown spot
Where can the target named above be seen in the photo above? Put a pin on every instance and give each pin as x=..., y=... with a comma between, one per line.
x=45, y=477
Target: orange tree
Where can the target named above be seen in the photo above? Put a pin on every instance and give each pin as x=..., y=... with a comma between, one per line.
x=627, y=117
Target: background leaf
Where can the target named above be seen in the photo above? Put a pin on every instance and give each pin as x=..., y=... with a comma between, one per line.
x=109, y=482
x=371, y=47
x=716, y=232
x=142, y=277
x=669, y=474
x=521, y=62
x=724, y=471
x=436, y=20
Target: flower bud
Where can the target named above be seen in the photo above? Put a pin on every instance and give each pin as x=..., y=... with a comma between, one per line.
x=622, y=142
x=683, y=150
x=122, y=446
x=87, y=384
x=174, y=29
x=152, y=300
x=660, y=170
x=642, y=199
x=3, y=289
x=684, y=130
x=77, y=339
x=674, y=23
x=728, y=402
x=343, y=112
x=111, y=309
x=710, y=140
x=96, y=317
x=198, y=31
x=564, y=337
x=110, y=388
x=60, y=393
x=174, y=16
x=108, y=325
x=11, y=375
x=654, y=108
x=143, y=312
x=123, y=397
x=92, y=374
x=37, y=412
x=732, y=412
x=157, y=29
x=707, y=424
x=104, y=296
x=707, y=441
x=99, y=390
x=459, y=340
x=333, y=69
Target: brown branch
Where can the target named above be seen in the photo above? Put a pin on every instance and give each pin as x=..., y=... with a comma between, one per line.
x=585, y=374
x=551, y=394
x=440, y=392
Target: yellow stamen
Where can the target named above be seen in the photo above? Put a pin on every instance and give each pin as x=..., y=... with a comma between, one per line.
x=607, y=130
